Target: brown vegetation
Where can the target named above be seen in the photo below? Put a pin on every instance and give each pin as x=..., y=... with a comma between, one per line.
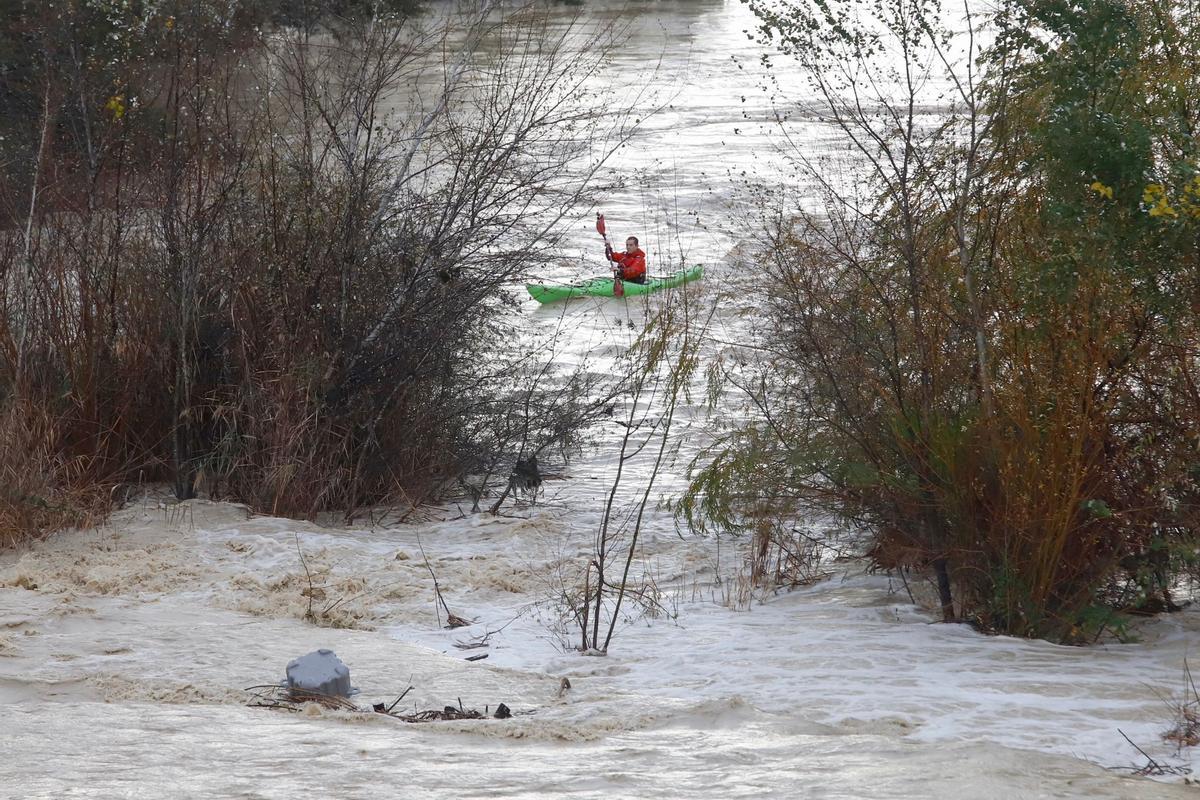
x=254, y=262
x=987, y=356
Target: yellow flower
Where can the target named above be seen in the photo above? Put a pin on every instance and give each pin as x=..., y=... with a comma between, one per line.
x=116, y=106
x=1102, y=190
x=1155, y=196
x=1189, y=202
x=1192, y=187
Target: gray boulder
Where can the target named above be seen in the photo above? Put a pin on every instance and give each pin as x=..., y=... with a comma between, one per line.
x=322, y=672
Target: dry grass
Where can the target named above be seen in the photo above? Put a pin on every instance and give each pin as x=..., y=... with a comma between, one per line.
x=783, y=556
x=40, y=491
x=1185, y=714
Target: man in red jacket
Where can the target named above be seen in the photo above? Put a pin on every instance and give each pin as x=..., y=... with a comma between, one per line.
x=632, y=263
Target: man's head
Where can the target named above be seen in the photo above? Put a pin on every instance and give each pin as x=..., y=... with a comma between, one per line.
x=631, y=244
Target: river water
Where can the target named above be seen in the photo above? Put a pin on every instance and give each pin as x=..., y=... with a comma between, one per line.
x=124, y=651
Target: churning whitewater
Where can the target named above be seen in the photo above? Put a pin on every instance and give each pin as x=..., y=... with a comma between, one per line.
x=130, y=646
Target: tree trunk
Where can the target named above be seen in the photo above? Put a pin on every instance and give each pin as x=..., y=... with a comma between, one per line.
x=943, y=583
x=24, y=280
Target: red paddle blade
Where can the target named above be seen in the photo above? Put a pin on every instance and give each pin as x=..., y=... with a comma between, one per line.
x=618, y=288
x=600, y=224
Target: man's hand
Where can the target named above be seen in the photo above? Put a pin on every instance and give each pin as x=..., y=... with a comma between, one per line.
x=608, y=250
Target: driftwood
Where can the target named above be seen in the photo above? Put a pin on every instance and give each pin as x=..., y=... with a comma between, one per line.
x=279, y=697
x=273, y=695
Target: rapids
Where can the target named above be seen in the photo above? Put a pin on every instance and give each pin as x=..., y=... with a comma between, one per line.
x=125, y=650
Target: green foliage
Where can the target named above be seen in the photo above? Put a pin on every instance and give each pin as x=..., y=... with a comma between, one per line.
x=1097, y=508
x=990, y=360
x=1096, y=620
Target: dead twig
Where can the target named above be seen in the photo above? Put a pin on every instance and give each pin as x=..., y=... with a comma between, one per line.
x=1186, y=714
x=308, y=614
x=398, y=699
x=452, y=620
x=273, y=695
x=1151, y=767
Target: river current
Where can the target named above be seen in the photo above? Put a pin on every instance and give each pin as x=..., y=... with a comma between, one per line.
x=124, y=651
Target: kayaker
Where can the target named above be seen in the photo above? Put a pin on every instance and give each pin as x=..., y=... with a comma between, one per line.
x=631, y=264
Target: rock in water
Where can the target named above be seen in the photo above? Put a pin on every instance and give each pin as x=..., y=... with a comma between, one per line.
x=321, y=672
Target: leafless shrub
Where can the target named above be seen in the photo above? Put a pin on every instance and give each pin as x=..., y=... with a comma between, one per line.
x=288, y=279
x=663, y=362
x=1185, y=713
x=786, y=557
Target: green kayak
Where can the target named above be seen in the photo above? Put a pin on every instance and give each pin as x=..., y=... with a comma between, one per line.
x=603, y=287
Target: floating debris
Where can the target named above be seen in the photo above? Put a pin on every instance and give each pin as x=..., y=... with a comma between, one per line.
x=284, y=698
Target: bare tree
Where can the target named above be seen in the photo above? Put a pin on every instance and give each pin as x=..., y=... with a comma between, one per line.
x=301, y=290
x=663, y=363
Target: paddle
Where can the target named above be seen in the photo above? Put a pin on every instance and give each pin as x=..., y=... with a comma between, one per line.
x=618, y=286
